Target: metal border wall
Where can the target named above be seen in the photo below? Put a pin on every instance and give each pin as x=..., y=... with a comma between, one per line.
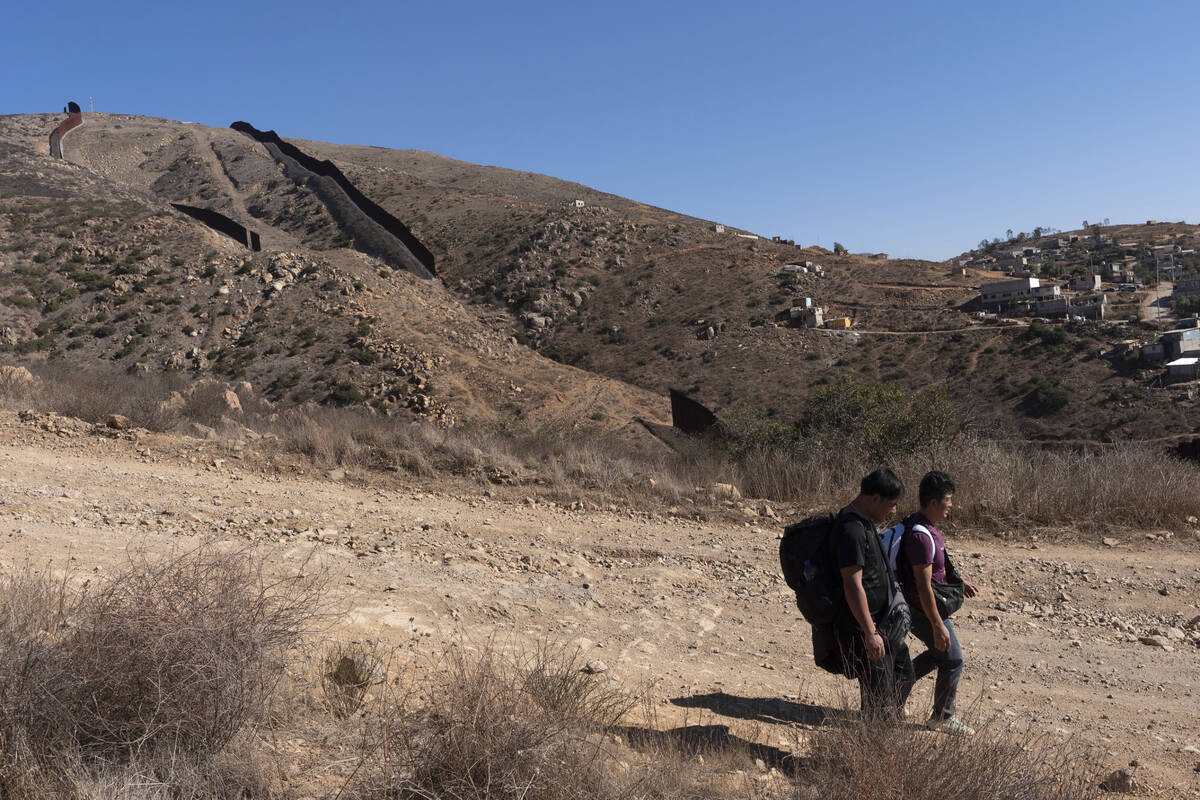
x=327, y=169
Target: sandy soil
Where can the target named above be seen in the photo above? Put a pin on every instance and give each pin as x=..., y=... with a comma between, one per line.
x=696, y=611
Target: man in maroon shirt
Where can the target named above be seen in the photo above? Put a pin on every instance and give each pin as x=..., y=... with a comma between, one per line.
x=924, y=553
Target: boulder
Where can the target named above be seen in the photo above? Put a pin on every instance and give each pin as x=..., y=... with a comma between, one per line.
x=725, y=491
x=118, y=422
x=198, y=431
x=231, y=402
x=13, y=377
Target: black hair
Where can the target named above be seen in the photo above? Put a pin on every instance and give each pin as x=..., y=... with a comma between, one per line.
x=884, y=483
x=934, y=486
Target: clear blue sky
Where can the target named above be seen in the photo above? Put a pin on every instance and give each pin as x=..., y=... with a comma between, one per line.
x=913, y=128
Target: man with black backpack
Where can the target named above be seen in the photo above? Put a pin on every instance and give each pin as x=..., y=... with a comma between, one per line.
x=867, y=632
x=934, y=591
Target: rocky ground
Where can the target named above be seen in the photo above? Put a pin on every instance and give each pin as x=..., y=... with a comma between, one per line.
x=1101, y=643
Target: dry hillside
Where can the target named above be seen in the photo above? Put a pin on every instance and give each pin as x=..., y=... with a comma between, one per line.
x=98, y=269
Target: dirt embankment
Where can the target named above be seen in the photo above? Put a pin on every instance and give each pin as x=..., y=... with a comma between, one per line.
x=695, y=610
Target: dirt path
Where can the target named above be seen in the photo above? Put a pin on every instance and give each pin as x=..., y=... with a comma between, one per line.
x=1151, y=306
x=696, y=611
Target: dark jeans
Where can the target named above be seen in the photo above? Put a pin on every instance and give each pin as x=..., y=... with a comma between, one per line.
x=949, y=663
x=883, y=685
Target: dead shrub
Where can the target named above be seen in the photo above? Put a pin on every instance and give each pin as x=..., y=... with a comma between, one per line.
x=348, y=672
x=165, y=663
x=495, y=728
x=881, y=760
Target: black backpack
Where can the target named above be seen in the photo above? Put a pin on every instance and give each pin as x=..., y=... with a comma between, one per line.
x=806, y=558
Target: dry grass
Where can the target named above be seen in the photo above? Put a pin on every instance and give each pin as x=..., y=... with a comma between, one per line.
x=528, y=726
x=1001, y=486
x=880, y=760
x=152, y=677
x=160, y=683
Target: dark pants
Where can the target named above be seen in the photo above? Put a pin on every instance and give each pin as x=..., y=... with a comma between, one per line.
x=948, y=663
x=883, y=685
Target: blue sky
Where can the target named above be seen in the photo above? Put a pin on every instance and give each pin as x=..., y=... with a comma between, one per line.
x=912, y=128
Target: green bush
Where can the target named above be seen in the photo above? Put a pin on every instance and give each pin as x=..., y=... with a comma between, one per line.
x=856, y=415
x=1048, y=396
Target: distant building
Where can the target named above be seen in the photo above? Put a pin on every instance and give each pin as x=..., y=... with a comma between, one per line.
x=1085, y=283
x=802, y=316
x=1007, y=291
x=838, y=322
x=1181, y=341
x=718, y=228
x=576, y=204
x=1184, y=369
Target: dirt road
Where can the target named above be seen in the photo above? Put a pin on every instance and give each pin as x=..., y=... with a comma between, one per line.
x=695, y=610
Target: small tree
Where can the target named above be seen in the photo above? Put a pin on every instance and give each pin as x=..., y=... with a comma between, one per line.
x=839, y=248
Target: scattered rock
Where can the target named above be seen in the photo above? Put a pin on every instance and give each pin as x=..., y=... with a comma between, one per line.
x=595, y=667
x=1155, y=641
x=1110, y=542
x=118, y=422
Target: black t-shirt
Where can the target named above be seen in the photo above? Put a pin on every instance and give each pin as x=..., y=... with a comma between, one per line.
x=855, y=542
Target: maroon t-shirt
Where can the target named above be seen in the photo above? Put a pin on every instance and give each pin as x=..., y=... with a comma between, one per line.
x=923, y=544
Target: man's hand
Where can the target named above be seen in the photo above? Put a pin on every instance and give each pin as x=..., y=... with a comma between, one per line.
x=874, y=644
x=970, y=589
x=941, y=637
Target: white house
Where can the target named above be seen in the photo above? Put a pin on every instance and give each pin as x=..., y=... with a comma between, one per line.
x=1184, y=369
x=1085, y=283
x=1007, y=291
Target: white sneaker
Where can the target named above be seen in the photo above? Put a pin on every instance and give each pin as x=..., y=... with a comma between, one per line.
x=952, y=725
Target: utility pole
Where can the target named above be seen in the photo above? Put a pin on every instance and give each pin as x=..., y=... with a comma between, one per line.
x=91, y=103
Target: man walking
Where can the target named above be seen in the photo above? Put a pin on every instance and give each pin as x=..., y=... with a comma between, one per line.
x=923, y=551
x=883, y=669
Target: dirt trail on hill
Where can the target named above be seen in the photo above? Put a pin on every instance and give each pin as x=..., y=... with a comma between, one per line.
x=697, y=611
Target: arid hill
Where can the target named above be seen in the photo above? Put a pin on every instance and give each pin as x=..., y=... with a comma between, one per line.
x=620, y=300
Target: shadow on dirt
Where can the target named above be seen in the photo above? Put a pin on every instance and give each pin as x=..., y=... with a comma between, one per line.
x=764, y=709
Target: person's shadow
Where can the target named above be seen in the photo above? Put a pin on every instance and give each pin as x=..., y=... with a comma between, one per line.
x=762, y=709
x=701, y=739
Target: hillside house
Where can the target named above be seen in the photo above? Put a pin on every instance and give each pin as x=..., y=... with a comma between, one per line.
x=1153, y=352
x=838, y=322
x=802, y=316
x=1089, y=306
x=718, y=228
x=749, y=236
x=1085, y=283
x=1006, y=291
x=1180, y=341
x=1184, y=369
x=1010, y=263
x=575, y=204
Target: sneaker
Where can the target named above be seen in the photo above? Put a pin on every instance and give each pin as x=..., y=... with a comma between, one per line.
x=952, y=725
